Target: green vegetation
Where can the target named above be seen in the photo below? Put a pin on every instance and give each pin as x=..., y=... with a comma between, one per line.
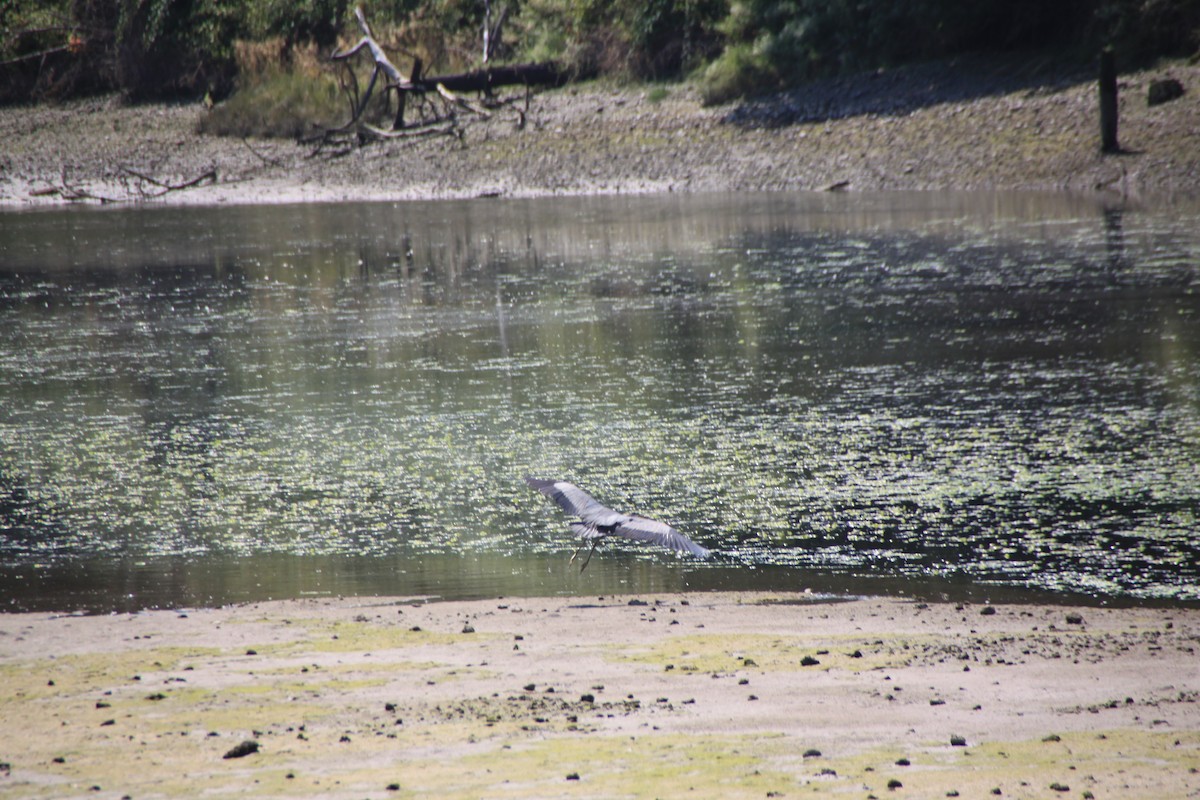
x=155, y=48
x=279, y=98
x=770, y=44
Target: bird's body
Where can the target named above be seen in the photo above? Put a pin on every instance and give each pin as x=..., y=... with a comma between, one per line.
x=598, y=521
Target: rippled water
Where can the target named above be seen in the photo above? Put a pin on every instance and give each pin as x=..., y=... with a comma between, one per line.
x=965, y=393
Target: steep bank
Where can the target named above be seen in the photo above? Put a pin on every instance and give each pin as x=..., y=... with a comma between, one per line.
x=954, y=125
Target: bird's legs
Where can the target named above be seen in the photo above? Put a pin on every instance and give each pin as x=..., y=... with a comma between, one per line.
x=589, y=555
x=588, y=560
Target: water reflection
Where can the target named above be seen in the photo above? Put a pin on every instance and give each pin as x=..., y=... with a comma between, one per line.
x=976, y=390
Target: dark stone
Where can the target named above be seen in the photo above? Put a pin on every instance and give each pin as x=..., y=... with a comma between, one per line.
x=242, y=750
x=1164, y=91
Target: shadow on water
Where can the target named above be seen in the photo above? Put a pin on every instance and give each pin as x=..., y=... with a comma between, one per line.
x=977, y=396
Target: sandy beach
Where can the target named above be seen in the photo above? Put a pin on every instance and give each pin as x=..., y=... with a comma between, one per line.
x=696, y=695
x=960, y=125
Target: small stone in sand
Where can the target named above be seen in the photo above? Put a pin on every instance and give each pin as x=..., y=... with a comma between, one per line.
x=241, y=750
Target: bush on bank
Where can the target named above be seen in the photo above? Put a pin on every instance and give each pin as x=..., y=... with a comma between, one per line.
x=187, y=48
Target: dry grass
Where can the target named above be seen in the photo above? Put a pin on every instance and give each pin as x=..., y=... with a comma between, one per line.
x=283, y=93
x=290, y=92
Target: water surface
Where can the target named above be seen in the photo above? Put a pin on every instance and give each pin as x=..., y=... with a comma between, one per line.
x=973, y=394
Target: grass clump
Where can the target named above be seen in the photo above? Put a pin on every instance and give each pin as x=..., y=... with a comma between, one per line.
x=283, y=93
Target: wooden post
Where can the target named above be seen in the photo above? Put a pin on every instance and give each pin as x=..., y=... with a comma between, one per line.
x=402, y=100
x=1108, y=102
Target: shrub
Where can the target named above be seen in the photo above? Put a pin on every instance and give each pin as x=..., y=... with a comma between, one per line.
x=782, y=42
x=283, y=93
x=163, y=48
x=739, y=72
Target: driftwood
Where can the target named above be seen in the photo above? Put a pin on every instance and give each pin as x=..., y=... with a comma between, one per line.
x=133, y=193
x=484, y=80
x=445, y=87
x=164, y=188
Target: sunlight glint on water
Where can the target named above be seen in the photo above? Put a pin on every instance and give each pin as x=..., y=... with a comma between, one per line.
x=950, y=390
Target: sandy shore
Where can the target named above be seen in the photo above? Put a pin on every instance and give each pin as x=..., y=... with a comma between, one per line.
x=965, y=124
x=698, y=695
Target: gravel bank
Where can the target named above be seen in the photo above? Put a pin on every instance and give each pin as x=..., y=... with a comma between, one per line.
x=954, y=125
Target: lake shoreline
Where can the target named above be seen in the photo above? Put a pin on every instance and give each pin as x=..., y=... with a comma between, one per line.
x=731, y=695
x=961, y=125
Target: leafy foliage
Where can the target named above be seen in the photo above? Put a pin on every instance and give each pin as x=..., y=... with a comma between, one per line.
x=775, y=43
x=185, y=47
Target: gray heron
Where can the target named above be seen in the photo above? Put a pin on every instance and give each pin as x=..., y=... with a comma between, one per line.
x=597, y=521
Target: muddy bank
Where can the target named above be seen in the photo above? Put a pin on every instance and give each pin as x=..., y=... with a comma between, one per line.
x=957, y=125
x=747, y=695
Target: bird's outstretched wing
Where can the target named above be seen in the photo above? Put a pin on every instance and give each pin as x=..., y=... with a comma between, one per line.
x=648, y=530
x=576, y=501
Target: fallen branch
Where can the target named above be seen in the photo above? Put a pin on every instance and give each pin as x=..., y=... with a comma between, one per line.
x=413, y=133
x=272, y=162
x=75, y=194
x=445, y=86
x=35, y=56
x=210, y=177
x=460, y=101
x=377, y=55
x=489, y=78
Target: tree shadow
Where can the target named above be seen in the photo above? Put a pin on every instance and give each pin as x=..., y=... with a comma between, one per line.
x=901, y=90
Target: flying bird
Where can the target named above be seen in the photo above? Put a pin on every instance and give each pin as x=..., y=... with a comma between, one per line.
x=598, y=521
